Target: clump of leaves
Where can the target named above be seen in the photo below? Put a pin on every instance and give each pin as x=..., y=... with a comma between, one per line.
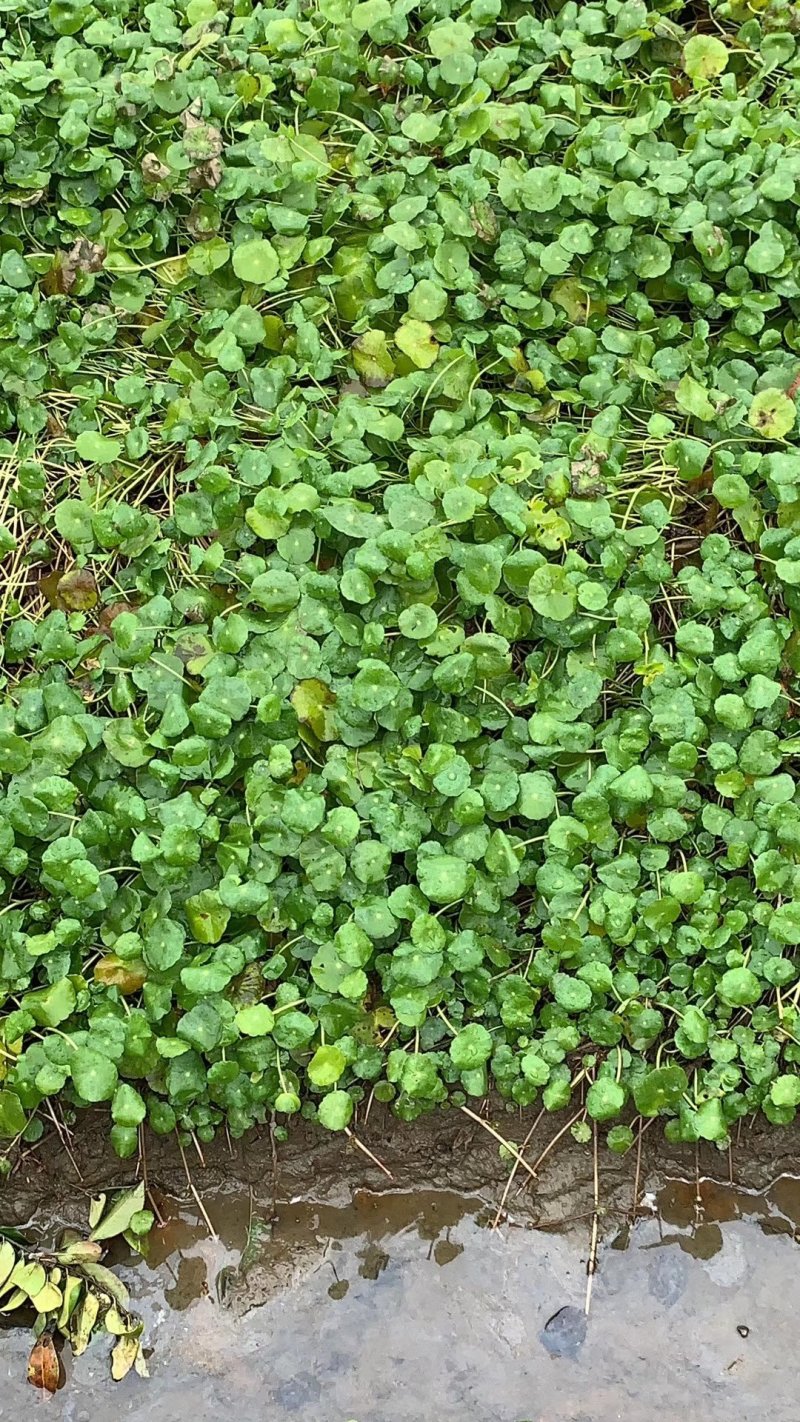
x=401, y=544
x=73, y=1295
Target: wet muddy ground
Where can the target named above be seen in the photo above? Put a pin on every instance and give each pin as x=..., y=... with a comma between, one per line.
x=332, y=1293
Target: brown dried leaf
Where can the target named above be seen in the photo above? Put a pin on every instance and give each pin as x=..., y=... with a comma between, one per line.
x=153, y=170
x=586, y=478
x=206, y=175
x=44, y=1364
x=84, y=256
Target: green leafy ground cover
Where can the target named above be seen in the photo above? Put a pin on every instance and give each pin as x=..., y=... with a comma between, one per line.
x=401, y=560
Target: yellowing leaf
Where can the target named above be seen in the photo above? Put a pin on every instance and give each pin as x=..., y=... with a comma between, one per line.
x=8, y=1258
x=128, y=975
x=372, y=360
x=416, y=340
x=772, y=414
x=312, y=700
x=704, y=58
x=83, y=1322
x=123, y=1356
x=48, y=1299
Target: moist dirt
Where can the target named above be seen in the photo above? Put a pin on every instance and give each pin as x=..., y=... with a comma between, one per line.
x=399, y=1277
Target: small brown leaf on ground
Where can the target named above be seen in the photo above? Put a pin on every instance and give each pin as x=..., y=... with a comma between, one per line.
x=44, y=1365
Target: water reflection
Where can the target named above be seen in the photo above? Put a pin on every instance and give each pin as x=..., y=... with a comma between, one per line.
x=403, y=1306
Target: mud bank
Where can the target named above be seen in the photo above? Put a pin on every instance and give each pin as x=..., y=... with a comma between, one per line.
x=329, y=1291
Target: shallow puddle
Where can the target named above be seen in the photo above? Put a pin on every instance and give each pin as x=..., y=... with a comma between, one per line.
x=409, y=1307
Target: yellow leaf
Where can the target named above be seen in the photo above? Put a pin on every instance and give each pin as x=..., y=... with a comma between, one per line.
x=85, y=1319
x=30, y=1278
x=8, y=1259
x=48, y=1299
x=311, y=700
x=123, y=1356
x=115, y=1323
x=128, y=976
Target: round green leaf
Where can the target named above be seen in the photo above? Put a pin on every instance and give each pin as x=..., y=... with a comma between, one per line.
x=335, y=1111
x=94, y=1076
x=256, y=261
x=471, y=1047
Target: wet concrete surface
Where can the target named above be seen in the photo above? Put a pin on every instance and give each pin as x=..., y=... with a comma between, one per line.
x=386, y=1305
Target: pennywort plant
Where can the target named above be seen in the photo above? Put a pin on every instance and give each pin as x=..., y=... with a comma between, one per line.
x=401, y=560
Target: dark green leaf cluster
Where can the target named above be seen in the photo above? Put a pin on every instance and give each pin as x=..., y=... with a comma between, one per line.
x=400, y=541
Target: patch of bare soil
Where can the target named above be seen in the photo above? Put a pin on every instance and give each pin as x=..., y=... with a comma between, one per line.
x=552, y=1182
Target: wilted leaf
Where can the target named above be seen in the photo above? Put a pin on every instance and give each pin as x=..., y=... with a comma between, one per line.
x=44, y=1365
x=128, y=975
x=123, y=1356
x=84, y=256
x=76, y=591
x=82, y=1323
x=153, y=170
